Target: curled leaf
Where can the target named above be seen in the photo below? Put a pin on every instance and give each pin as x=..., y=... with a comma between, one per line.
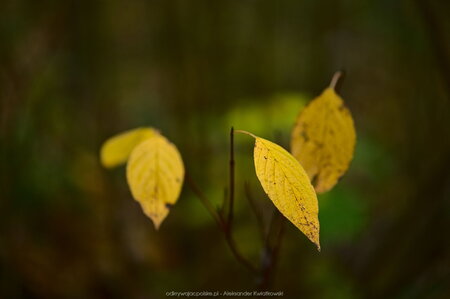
x=288, y=186
x=155, y=174
x=117, y=149
x=323, y=140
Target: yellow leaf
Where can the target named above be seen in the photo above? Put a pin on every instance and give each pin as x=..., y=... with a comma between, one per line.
x=323, y=140
x=117, y=149
x=288, y=186
x=155, y=174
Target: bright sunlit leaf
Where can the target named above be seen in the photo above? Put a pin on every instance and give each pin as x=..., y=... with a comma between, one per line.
x=155, y=174
x=117, y=149
x=323, y=140
x=288, y=186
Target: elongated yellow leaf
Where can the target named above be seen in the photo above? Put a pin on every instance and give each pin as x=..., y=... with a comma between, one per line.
x=117, y=149
x=155, y=174
x=323, y=140
x=288, y=186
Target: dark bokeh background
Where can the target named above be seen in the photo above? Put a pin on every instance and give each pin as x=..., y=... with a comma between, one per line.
x=73, y=73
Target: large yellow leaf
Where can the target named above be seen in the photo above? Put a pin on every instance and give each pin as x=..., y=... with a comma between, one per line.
x=155, y=174
x=288, y=186
x=117, y=149
x=323, y=140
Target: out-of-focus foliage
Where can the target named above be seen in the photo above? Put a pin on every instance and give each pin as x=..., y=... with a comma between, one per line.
x=323, y=140
x=277, y=114
x=155, y=174
x=155, y=170
x=286, y=183
x=73, y=73
x=117, y=149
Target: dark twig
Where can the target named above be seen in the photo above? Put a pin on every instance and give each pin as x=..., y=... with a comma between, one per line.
x=204, y=200
x=224, y=206
x=272, y=226
x=231, y=181
x=232, y=244
x=256, y=211
x=271, y=251
x=280, y=234
x=228, y=224
x=276, y=248
x=224, y=224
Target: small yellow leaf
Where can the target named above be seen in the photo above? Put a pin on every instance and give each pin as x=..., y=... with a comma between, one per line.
x=155, y=174
x=288, y=186
x=323, y=140
x=117, y=149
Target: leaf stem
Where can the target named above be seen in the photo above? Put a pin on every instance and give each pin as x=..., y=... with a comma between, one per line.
x=246, y=133
x=336, y=81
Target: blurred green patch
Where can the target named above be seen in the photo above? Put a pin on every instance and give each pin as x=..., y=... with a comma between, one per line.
x=263, y=118
x=328, y=282
x=343, y=214
x=372, y=160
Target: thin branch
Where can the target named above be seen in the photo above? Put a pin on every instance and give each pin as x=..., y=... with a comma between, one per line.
x=224, y=206
x=228, y=224
x=232, y=245
x=270, y=230
x=231, y=182
x=277, y=245
x=276, y=249
x=204, y=200
x=270, y=259
x=221, y=223
x=256, y=211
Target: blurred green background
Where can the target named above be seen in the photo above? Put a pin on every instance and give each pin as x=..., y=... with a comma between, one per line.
x=73, y=73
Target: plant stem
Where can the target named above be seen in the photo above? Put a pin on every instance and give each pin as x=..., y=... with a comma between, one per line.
x=231, y=181
x=204, y=200
x=232, y=245
x=256, y=211
x=246, y=133
x=336, y=81
x=224, y=224
x=271, y=252
x=228, y=224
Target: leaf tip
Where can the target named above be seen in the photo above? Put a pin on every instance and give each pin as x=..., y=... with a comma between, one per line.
x=103, y=156
x=105, y=163
x=157, y=221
